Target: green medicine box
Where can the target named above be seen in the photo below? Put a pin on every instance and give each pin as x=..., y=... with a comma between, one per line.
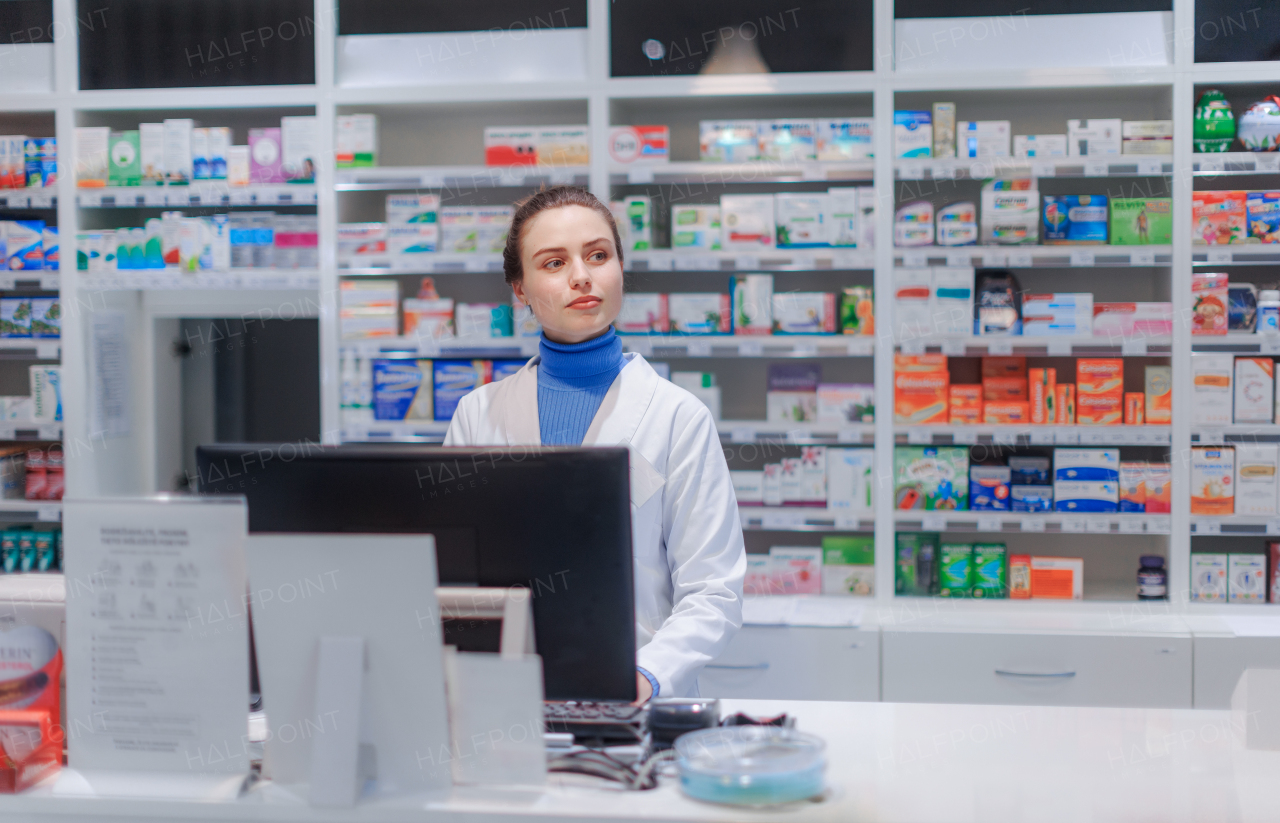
x=990, y=571
x=955, y=572
x=1141, y=221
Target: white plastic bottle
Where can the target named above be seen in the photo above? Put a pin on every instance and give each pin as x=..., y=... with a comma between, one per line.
x=1269, y=312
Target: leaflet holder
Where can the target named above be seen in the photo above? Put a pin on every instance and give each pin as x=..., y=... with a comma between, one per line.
x=495, y=700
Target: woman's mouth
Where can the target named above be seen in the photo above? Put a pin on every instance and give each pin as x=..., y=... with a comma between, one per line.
x=589, y=301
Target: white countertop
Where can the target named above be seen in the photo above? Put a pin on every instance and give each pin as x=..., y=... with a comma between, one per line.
x=912, y=763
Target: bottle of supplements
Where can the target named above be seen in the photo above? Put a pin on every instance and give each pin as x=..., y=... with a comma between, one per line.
x=1153, y=581
x=1269, y=312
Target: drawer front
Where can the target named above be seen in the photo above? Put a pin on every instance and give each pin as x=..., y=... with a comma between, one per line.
x=1030, y=669
x=796, y=663
x=1221, y=660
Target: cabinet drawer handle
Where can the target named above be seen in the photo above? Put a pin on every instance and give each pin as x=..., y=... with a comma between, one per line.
x=748, y=666
x=1007, y=673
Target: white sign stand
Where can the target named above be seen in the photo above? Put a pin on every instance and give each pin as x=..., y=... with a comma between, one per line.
x=157, y=648
x=349, y=661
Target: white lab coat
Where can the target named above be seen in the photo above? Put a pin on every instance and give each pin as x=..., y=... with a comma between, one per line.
x=686, y=533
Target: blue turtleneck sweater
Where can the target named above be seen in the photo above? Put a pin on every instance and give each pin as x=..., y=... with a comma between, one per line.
x=572, y=381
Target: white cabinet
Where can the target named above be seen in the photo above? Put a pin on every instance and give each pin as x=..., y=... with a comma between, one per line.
x=1221, y=660
x=1037, y=669
x=796, y=663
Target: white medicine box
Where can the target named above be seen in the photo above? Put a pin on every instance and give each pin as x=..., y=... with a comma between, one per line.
x=1254, y=389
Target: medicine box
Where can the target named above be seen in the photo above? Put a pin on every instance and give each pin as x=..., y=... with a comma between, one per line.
x=630, y=144
x=990, y=575
x=1060, y=313
x=952, y=308
x=46, y=317
x=787, y=141
x=699, y=313
x=1262, y=210
x=989, y=488
x=804, y=313
x=796, y=569
x=1075, y=219
x=912, y=134
x=843, y=216
x=813, y=476
x=752, y=303
x=748, y=487
x=403, y=390
x=746, y=222
x=23, y=244
x=1028, y=470
x=643, y=313
x=299, y=150
x=848, y=565
x=851, y=479
x=1004, y=389
x=1256, y=481
x=964, y=404
x=1211, y=389
x=15, y=317
x=356, y=140
x=1158, y=390
x=955, y=569
x=920, y=398
x=563, y=145
x=695, y=227
x=1141, y=221
x=800, y=220
x=1246, y=578
x=956, y=224
x=1133, y=477
x=913, y=303
x=1158, y=493
x=1086, y=465
x=453, y=380
x=1010, y=217
x=791, y=481
x=510, y=146
x=1218, y=217
x=1057, y=578
x=913, y=224
x=92, y=163
x=1209, y=577
x=944, y=129
x=772, y=484
x=1039, y=145
x=728, y=141
x=265, y=156
x=983, y=138
x=756, y=580
x=1087, y=138
x=1212, y=480
x=1031, y=498
x=1099, y=391
x=124, y=156
x=846, y=403
x=1254, y=389
x=931, y=478
x=847, y=138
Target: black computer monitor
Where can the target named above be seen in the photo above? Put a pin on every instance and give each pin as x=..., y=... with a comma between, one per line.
x=556, y=520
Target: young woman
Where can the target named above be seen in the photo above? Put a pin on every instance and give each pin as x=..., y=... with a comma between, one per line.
x=564, y=260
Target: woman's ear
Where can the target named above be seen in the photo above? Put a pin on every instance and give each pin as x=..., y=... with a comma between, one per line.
x=517, y=288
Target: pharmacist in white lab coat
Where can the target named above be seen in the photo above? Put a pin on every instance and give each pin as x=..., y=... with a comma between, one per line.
x=563, y=259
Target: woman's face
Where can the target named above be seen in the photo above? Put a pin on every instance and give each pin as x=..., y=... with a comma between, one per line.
x=572, y=275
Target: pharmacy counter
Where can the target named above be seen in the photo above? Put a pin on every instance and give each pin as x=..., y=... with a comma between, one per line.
x=886, y=762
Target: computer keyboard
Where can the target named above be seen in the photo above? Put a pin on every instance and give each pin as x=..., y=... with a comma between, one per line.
x=620, y=722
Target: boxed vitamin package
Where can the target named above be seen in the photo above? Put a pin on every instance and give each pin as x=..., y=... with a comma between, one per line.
x=1254, y=389
x=913, y=224
x=1262, y=212
x=1075, y=219
x=1057, y=578
x=1209, y=577
x=848, y=565
x=746, y=222
x=403, y=390
x=1087, y=138
x=699, y=313
x=1211, y=389
x=843, y=216
x=792, y=393
x=857, y=310
x=1099, y=391
x=1141, y=221
x=1246, y=578
x=1212, y=480
x=931, y=478
x=1218, y=217
x=912, y=134
x=752, y=303
x=983, y=138
x=356, y=140
x=1133, y=480
x=454, y=379
x=846, y=138
x=1158, y=390
x=1010, y=212
x=957, y=224
x=728, y=141
x=846, y=403
x=1156, y=488
x=787, y=141
x=1256, y=481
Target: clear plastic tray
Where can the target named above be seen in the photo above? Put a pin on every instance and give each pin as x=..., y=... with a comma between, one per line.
x=750, y=765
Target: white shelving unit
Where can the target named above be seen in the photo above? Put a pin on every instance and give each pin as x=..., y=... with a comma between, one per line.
x=129, y=464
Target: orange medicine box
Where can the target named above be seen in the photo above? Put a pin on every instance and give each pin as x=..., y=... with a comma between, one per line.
x=1042, y=385
x=1006, y=412
x=999, y=389
x=1099, y=391
x=1019, y=576
x=1158, y=383
x=919, y=362
x=1057, y=578
x=1003, y=367
x=1064, y=395
x=966, y=404
x=920, y=398
x=1134, y=406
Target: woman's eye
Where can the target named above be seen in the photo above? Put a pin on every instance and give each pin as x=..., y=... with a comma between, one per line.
x=553, y=264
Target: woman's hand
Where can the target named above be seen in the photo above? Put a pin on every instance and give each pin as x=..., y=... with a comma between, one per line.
x=644, y=690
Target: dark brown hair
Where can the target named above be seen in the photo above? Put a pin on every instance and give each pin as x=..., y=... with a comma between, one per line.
x=535, y=204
